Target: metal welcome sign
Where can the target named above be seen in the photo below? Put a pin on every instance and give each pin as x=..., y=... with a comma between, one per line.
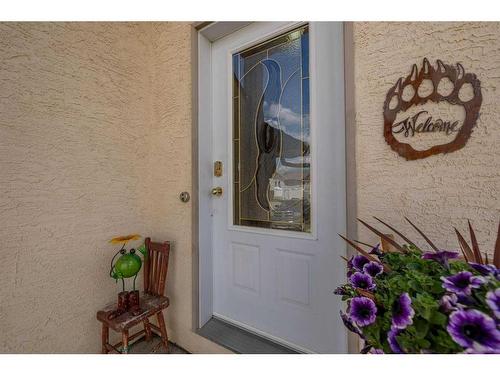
x=431, y=111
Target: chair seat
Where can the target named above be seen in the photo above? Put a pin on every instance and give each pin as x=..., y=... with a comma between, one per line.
x=150, y=305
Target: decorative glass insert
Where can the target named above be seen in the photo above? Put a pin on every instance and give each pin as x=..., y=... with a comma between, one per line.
x=271, y=137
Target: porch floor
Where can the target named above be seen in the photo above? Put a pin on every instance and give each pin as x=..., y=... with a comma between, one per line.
x=143, y=347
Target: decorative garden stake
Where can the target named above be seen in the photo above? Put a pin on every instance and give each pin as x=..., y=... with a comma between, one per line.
x=126, y=266
x=407, y=300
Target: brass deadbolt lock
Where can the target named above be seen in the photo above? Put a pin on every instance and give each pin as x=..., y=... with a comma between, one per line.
x=218, y=168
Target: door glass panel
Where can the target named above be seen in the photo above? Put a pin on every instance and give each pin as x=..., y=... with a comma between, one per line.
x=271, y=135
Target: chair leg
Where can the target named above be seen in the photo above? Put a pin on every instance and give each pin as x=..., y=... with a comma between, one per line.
x=125, y=342
x=104, y=338
x=163, y=329
x=147, y=329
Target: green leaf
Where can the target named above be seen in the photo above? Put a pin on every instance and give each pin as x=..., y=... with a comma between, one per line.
x=438, y=318
x=415, y=285
x=421, y=327
x=425, y=344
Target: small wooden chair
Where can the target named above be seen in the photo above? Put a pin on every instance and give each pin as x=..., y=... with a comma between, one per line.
x=152, y=302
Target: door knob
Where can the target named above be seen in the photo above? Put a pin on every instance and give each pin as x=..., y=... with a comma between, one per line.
x=216, y=191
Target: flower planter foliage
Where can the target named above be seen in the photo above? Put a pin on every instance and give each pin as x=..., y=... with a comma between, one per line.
x=415, y=301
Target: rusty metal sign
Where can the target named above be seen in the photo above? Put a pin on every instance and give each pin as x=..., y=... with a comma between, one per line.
x=443, y=83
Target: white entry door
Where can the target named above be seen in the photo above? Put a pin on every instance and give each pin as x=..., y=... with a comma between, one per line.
x=278, y=131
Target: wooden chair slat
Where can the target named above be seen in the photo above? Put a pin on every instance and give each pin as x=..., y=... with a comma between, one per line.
x=147, y=242
x=154, y=256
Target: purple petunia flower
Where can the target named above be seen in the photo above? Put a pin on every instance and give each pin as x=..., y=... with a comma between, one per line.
x=473, y=329
x=349, y=324
x=376, y=250
x=349, y=263
x=482, y=351
x=362, y=281
x=449, y=302
x=465, y=300
x=486, y=269
x=350, y=267
x=462, y=282
x=359, y=261
x=362, y=311
x=393, y=342
x=441, y=256
x=376, y=351
x=402, y=312
x=493, y=301
x=372, y=268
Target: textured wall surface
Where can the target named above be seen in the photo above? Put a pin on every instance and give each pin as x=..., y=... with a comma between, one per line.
x=95, y=141
x=88, y=114
x=440, y=191
x=72, y=155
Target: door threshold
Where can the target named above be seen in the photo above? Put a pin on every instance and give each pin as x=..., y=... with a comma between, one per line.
x=239, y=340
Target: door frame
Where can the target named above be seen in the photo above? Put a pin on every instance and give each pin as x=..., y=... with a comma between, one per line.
x=203, y=36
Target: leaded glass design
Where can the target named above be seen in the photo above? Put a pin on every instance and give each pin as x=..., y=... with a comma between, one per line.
x=271, y=137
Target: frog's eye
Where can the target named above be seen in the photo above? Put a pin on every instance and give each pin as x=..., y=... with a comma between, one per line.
x=132, y=251
x=123, y=251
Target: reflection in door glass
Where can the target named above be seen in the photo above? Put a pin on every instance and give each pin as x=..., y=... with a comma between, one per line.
x=271, y=137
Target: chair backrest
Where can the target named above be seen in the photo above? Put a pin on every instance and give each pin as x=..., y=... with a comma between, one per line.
x=156, y=267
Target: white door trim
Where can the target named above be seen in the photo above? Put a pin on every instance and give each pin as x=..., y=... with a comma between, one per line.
x=204, y=102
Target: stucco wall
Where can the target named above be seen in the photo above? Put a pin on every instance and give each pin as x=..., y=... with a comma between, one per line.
x=95, y=123
x=441, y=191
x=95, y=141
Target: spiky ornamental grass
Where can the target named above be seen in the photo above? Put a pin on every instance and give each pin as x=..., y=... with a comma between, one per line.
x=412, y=301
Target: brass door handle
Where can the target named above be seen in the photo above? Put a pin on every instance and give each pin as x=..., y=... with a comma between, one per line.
x=216, y=191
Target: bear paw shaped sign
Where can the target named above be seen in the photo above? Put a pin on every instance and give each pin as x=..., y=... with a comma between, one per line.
x=414, y=105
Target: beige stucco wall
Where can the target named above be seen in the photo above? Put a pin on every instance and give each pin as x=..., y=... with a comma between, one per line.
x=95, y=126
x=441, y=191
x=96, y=140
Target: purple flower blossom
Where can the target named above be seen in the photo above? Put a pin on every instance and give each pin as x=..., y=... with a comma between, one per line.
x=441, y=256
x=349, y=263
x=493, y=301
x=362, y=311
x=464, y=300
x=359, y=261
x=393, y=342
x=376, y=250
x=376, y=351
x=486, y=269
x=449, y=302
x=482, y=350
x=372, y=268
x=462, y=282
x=473, y=329
x=349, y=324
x=350, y=267
x=362, y=281
x=402, y=312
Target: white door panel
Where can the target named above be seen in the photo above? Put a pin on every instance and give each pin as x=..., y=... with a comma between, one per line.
x=279, y=282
